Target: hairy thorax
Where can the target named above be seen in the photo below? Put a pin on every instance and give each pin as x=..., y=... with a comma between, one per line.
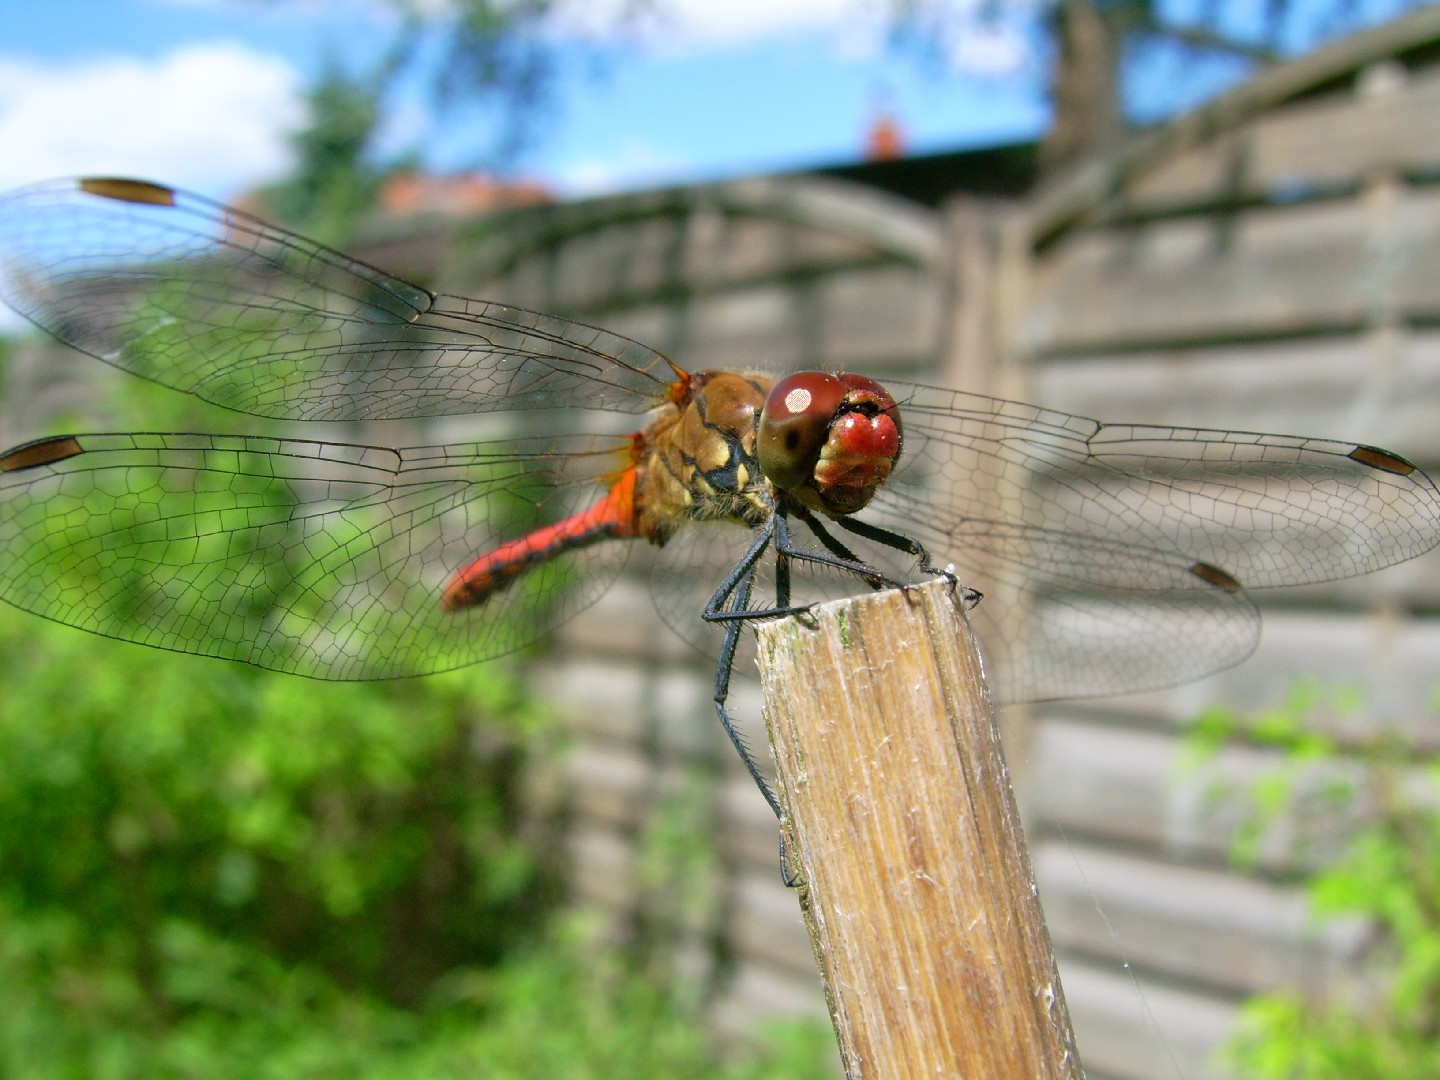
x=697, y=459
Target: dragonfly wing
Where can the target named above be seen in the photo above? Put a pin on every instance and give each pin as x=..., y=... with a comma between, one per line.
x=1044, y=633
x=1267, y=510
x=214, y=302
x=321, y=559
x=1117, y=557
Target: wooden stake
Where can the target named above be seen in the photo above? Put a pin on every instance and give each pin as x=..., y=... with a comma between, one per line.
x=902, y=827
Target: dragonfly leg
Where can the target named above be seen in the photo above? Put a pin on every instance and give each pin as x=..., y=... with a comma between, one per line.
x=842, y=557
x=730, y=606
x=721, y=610
x=836, y=555
x=901, y=542
x=890, y=539
x=839, y=556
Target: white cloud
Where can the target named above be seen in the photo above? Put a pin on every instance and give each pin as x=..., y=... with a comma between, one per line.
x=748, y=20
x=212, y=117
x=692, y=24
x=973, y=37
x=995, y=49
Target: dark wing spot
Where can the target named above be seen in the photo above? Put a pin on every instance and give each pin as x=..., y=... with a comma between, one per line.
x=135, y=191
x=1383, y=460
x=40, y=452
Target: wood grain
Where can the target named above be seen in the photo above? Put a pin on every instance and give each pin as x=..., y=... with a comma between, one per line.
x=900, y=819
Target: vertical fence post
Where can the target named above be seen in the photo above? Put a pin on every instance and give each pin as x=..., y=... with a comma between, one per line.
x=900, y=823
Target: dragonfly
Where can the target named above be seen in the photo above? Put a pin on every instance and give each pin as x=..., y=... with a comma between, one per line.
x=1120, y=557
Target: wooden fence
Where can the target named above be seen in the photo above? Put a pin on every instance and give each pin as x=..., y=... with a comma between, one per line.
x=1271, y=263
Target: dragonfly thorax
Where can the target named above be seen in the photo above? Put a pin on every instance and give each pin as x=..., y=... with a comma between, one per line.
x=699, y=459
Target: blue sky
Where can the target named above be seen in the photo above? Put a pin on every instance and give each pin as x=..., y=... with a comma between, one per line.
x=200, y=93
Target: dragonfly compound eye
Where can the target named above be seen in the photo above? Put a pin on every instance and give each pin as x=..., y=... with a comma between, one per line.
x=828, y=440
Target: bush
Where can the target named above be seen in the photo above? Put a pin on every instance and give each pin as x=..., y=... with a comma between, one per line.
x=210, y=871
x=1387, y=1025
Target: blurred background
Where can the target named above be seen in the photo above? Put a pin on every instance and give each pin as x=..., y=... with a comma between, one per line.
x=1215, y=213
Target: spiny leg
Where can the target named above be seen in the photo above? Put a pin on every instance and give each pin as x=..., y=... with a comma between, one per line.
x=842, y=557
x=729, y=606
x=890, y=539
x=839, y=556
x=901, y=542
x=776, y=531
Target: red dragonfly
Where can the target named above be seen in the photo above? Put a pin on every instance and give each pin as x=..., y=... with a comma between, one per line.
x=1122, y=552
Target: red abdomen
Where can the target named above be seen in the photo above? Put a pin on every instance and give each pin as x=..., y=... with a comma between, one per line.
x=613, y=517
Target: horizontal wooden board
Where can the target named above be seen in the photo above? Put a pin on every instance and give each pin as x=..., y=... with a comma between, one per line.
x=1077, y=195
x=740, y=328
x=665, y=709
x=1134, y=1028
x=1390, y=662
x=891, y=313
x=620, y=789
x=1380, y=388
x=752, y=837
x=579, y=256
x=756, y=994
x=623, y=622
x=768, y=924
x=1140, y=791
x=601, y=867
x=722, y=247
x=1258, y=273
x=1330, y=142
x=1223, y=932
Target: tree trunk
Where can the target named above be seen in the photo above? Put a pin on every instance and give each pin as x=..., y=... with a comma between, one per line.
x=1085, y=84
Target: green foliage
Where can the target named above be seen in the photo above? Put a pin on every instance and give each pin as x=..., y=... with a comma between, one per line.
x=334, y=181
x=1290, y=728
x=1388, y=1026
x=140, y=786
x=211, y=871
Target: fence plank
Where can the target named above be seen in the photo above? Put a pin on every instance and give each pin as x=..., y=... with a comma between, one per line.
x=1293, y=150
x=1135, y=790
x=1266, y=273
x=1138, y=1028
x=1388, y=659
x=1382, y=389
x=1230, y=934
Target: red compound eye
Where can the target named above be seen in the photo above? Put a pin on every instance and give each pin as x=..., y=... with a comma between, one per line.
x=795, y=424
x=828, y=440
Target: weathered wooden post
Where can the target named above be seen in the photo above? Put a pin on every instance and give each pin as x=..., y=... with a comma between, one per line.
x=902, y=827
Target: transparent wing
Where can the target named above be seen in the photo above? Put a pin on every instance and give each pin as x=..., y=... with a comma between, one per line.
x=216, y=303
x=1055, y=621
x=322, y=559
x=1116, y=557
x=1268, y=510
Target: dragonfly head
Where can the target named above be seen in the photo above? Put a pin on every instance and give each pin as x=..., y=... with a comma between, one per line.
x=828, y=440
